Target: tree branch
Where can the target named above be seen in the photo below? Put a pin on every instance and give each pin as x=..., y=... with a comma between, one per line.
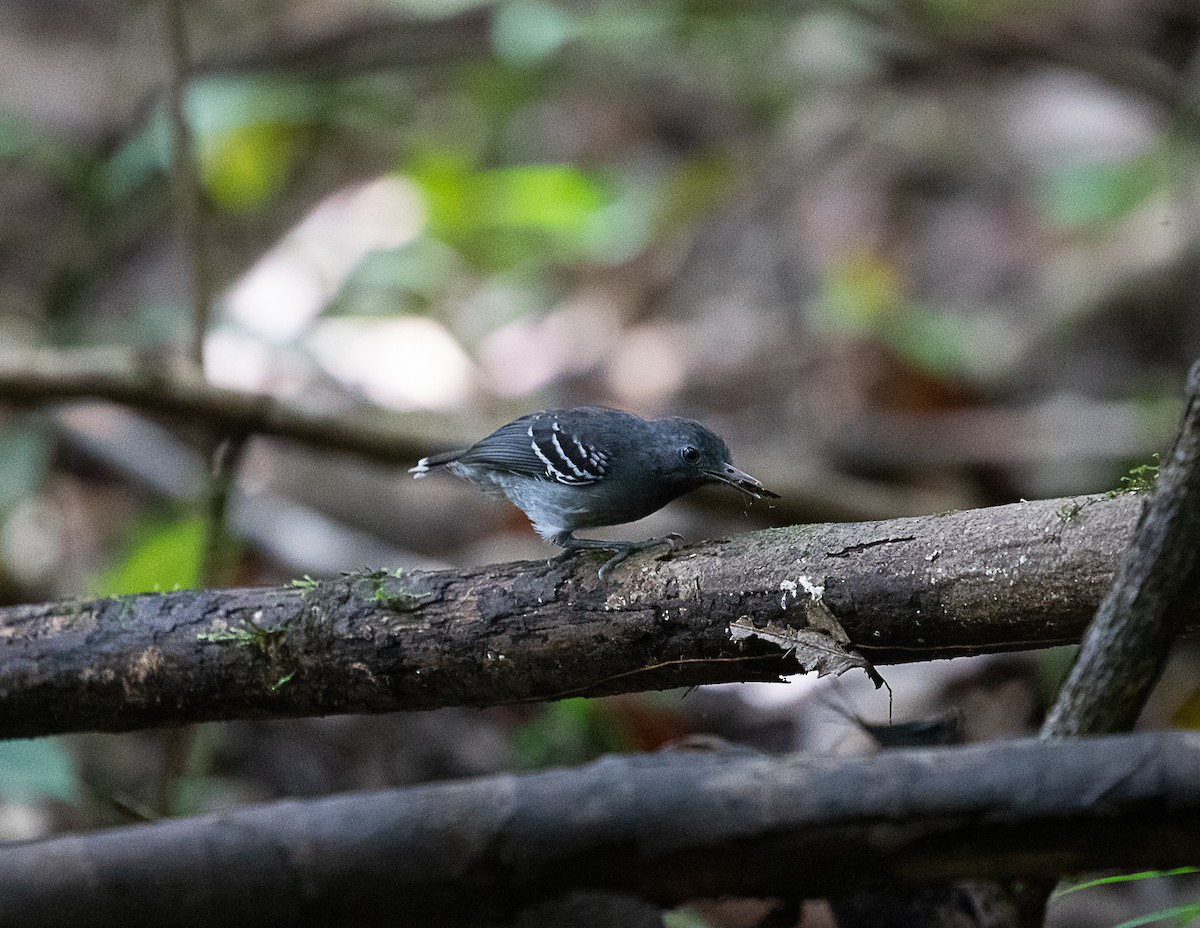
x=1011, y=577
x=152, y=385
x=667, y=827
x=1127, y=644
x=372, y=43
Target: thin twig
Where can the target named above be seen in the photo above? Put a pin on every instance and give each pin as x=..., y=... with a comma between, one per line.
x=186, y=194
x=185, y=184
x=218, y=549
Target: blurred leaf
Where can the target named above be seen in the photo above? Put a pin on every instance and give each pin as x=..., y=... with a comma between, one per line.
x=400, y=281
x=684, y=917
x=504, y=217
x=1052, y=665
x=237, y=123
x=218, y=105
x=570, y=731
x=857, y=292
x=972, y=15
x=933, y=341
x=863, y=295
x=162, y=556
x=1063, y=890
x=246, y=166
x=498, y=90
x=197, y=795
x=554, y=198
x=526, y=33
x=1180, y=915
x=21, y=140
x=1187, y=713
x=134, y=163
x=1102, y=191
x=37, y=767
x=247, y=133
x=24, y=461
x=444, y=179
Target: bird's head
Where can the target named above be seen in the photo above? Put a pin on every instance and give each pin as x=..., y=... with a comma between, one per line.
x=698, y=456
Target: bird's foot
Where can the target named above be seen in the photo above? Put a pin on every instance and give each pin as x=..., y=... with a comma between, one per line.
x=621, y=549
x=625, y=549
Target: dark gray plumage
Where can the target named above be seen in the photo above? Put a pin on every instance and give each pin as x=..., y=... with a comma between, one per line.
x=569, y=469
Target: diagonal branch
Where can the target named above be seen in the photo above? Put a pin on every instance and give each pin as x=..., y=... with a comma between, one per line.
x=1154, y=590
x=1011, y=577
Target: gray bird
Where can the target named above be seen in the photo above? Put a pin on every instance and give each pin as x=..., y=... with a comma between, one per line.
x=568, y=469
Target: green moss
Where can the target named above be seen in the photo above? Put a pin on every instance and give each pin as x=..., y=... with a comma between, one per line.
x=305, y=585
x=389, y=590
x=1069, y=510
x=1138, y=480
x=247, y=634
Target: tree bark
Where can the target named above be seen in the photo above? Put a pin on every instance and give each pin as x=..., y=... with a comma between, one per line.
x=666, y=827
x=1026, y=575
x=1127, y=644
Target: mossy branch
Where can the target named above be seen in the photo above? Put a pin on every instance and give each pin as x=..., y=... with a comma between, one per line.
x=985, y=580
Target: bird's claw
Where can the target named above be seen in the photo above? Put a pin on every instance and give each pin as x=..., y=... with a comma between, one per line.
x=672, y=541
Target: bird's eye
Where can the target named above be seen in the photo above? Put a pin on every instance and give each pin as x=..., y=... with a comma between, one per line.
x=690, y=454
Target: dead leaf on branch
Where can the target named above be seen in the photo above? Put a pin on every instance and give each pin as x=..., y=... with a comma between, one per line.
x=821, y=646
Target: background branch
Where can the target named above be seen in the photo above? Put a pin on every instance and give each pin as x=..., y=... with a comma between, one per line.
x=152, y=385
x=1006, y=578
x=185, y=182
x=674, y=826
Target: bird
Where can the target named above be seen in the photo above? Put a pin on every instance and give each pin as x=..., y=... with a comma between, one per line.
x=588, y=466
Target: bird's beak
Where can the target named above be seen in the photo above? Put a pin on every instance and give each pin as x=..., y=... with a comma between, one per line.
x=740, y=480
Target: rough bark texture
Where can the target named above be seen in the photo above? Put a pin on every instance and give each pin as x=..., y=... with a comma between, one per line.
x=1020, y=576
x=1127, y=643
x=666, y=827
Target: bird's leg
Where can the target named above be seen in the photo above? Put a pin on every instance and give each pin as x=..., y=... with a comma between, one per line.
x=621, y=549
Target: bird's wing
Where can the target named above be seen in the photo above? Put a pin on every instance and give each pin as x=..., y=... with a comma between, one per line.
x=540, y=446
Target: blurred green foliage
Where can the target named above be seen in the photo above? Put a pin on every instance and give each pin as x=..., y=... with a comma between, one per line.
x=412, y=279
x=1082, y=193
x=527, y=33
x=30, y=768
x=502, y=217
x=162, y=554
x=248, y=133
x=863, y=295
x=567, y=732
x=1178, y=915
x=685, y=917
x=22, y=140
x=25, y=451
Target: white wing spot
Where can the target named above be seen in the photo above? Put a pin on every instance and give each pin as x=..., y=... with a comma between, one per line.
x=595, y=458
x=550, y=468
x=579, y=471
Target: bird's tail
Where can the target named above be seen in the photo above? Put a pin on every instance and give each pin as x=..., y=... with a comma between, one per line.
x=433, y=462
